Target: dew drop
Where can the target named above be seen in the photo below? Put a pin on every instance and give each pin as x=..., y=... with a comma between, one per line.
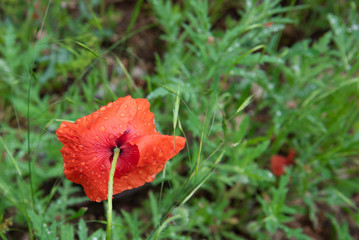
x=81, y=176
x=111, y=136
x=92, y=172
x=138, y=108
x=73, y=160
x=103, y=108
x=97, y=137
x=120, y=125
x=81, y=170
x=102, y=167
x=109, y=104
x=83, y=163
x=98, y=199
x=73, y=155
x=94, y=158
x=102, y=128
x=125, y=106
x=135, y=126
x=122, y=115
x=160, y=154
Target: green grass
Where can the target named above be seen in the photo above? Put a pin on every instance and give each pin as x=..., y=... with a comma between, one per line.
x=242, y=81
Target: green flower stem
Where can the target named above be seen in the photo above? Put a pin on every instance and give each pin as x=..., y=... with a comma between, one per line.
x=116, y=153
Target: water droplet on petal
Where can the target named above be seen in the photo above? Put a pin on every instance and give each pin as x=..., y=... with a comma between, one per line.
x=92, y=172
x=81, y=170
x=125, y=106
x=98, y=199
x=94, y=158
x=138, y=108
x=103, y=108
x=111, y=136
x=160, y=154
x=122, y=115
x=83, y=163
x=102, y=128
x=102, y=167
x=109, y=104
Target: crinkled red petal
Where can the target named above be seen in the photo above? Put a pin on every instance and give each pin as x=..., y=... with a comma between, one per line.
x=155, y=150
x=128, y=159
x=142, y=124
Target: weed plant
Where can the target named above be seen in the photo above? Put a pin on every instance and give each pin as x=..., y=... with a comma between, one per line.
x=241, y=80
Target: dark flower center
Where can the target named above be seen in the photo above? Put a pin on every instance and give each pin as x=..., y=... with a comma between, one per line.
x=129, y=155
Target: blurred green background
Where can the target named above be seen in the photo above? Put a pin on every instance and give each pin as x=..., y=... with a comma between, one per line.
x=241, y=80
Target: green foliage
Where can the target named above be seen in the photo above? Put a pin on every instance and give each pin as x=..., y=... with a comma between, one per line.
x=232, y=79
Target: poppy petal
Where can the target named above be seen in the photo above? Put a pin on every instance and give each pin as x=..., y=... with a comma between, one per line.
x=155, y=150
x=128, y=159
x=291, y=156
x=142, y=123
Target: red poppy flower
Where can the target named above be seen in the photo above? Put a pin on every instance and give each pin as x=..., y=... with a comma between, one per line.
x=268, y=24
x=278, y=162
x=127, y=124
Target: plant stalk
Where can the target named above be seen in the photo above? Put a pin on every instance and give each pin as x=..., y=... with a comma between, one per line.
x=116, y=153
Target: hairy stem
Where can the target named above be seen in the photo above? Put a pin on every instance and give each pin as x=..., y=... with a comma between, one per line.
x=116, y=153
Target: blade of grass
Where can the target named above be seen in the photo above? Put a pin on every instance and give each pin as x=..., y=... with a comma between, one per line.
x=130, y=83
x=134, y=17
x=10, y=155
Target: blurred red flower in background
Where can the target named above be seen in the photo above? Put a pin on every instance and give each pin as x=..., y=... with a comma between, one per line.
x=278, y=162
x=126, y=124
